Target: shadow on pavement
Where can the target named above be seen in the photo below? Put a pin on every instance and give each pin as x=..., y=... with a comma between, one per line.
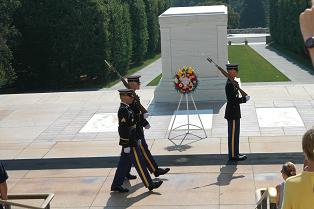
x=226, y=175
x=121, y=200
x=163, y=160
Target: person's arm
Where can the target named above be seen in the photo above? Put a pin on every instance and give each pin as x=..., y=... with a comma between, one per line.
x=144, y=122
x=286, y=202
x=231, y=96
x=278, y=194
x=3, y=183
x=307, y=28
x=123, y=129
x=4, y=190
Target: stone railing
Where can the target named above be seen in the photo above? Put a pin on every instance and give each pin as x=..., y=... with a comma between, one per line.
x=266, y=198
x=11, y=197
x=248, y=30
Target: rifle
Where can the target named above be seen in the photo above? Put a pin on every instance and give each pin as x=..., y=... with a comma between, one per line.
x=126, y=84
x=235, y=84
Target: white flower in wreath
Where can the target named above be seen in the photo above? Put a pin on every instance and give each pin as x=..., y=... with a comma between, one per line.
x=176, y=80
x=185, y=80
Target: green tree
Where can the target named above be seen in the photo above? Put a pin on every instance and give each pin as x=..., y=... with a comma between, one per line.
x=252, y=14
x=152, y=26
x=139, y=30
x=120, y=33
x=184, y=3
x=233, y=16
x=163, y=5
x=284, y=23
x=62, y=40
x=273, y=18
x=8, y=39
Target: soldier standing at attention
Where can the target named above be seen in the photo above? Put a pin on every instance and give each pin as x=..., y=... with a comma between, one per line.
x=140, y=118
x=233, y=114
x=130, y=148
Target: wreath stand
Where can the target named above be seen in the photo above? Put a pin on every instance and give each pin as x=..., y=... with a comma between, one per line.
x=188, y=124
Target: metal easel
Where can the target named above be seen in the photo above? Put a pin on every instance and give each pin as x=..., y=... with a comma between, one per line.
x=188, y=124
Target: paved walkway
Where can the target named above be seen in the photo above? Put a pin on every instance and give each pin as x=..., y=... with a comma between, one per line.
x=45, y=151
x=147, y=74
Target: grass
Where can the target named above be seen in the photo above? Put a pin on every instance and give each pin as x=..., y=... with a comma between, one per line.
x=134, y=69
x=156, y=80
x=253, y=67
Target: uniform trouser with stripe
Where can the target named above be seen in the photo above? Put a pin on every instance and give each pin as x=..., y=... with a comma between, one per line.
x=147, y=156
x=233, y=137
x=135, y=158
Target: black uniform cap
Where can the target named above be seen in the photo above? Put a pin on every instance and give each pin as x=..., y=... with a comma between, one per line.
x=134, y=78
x=232, y=67
x=126, y=92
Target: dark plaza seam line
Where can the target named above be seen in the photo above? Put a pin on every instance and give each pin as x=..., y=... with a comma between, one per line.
x=163, y=160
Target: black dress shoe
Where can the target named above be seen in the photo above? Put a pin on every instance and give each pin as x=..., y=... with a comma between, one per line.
x=154, y=185
x=242, y=156
x=238, y=158
x=130, y=176
x=161, y=171
x=119, y=189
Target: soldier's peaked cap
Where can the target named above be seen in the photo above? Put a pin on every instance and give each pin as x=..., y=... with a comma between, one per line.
x=232, y=67
x=126, y=92
x=134, y=78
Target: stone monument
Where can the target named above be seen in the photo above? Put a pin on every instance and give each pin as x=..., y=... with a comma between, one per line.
x=188, y=36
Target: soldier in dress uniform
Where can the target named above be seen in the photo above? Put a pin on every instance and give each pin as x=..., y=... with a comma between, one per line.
x=130, y=149
x=233, y=114
x=140, y=118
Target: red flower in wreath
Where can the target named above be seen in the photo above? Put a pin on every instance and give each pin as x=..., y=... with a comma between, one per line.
x=185, y=80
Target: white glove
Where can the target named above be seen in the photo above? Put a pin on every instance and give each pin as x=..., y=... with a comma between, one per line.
x=247, y=98
x=147, y=126
x=145, y=115
x=139, y=142
x=127, y=150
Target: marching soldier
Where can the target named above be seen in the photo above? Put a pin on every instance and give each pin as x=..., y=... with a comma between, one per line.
x=233, y=114
x=140, y=118
x=130, y=149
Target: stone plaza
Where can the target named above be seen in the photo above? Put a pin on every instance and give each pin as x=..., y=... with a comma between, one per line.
x=66, y=143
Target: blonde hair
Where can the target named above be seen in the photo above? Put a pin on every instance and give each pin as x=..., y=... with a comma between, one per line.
x=289, y=169
x=308, y=144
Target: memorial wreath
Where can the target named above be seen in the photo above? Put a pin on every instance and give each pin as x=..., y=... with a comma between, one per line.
x=185, y=80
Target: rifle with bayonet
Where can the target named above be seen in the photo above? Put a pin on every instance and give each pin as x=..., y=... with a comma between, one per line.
x=126, y=84
x=235, y=83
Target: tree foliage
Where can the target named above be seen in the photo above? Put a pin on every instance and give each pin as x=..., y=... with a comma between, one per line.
x=139, y=30
x=62, y=40
x=120, y=36
x=63, y=43
x=8, y=41
x=152, y=26
x=233, y=16
x=252, y=14
x=284, y=23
